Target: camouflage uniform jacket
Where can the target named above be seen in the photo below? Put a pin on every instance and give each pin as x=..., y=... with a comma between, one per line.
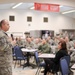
x=5, y=50
x=44, y=48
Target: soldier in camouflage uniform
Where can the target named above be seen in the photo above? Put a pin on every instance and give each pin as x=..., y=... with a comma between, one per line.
x=44, y=47
x=36, y=44
x=19, y=42
x=5, y=50
x=29, y=43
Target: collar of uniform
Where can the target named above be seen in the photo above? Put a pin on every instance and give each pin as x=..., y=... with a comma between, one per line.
x=4, y=32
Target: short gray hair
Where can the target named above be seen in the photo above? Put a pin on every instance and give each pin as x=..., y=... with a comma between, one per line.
x=1, y=22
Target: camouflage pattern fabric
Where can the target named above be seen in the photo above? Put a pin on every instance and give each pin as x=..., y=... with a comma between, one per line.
x=5, y=54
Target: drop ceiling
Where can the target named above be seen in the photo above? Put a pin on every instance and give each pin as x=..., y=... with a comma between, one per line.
x=27, y=4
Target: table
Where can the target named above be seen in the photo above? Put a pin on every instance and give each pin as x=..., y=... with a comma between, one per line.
x=71, y=51
x=73, y=67
x=47, y=55
x=28, y=51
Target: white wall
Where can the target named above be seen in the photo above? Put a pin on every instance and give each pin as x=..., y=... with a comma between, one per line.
x=56, y=21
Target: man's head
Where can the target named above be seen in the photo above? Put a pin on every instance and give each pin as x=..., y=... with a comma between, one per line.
x=4, y=25
x=44, y=41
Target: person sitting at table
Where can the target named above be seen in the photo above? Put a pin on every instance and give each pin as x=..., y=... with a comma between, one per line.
x=36, y=43
x=44, y=47
x=52, y=65
x=19, y=42
x=29, y=43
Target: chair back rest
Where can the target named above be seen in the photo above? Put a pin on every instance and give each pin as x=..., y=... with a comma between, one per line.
x=64, y=66
x=36, y=57
x=67, y=58
x=18, y=52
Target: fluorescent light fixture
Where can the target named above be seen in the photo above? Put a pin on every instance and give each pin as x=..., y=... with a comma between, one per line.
x=16, y=5
x=32, y=7
x=68, y=11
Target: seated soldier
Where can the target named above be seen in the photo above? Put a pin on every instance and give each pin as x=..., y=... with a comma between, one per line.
x=44, y=47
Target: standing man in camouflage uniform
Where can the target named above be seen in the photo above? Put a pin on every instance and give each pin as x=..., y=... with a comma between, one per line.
x=5, y=49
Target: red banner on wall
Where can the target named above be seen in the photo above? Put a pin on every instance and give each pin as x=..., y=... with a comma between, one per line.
x=46, y=7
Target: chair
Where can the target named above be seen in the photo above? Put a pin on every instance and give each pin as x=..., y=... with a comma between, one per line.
x=18, y=54
x=67, y=58
x=64, y=67
x=68, y=62
x=39, y=64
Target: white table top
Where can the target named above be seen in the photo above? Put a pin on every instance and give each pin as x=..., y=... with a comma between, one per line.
x=72, y=50
x=73, y=67
x=47, y=56
x=28, y=50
